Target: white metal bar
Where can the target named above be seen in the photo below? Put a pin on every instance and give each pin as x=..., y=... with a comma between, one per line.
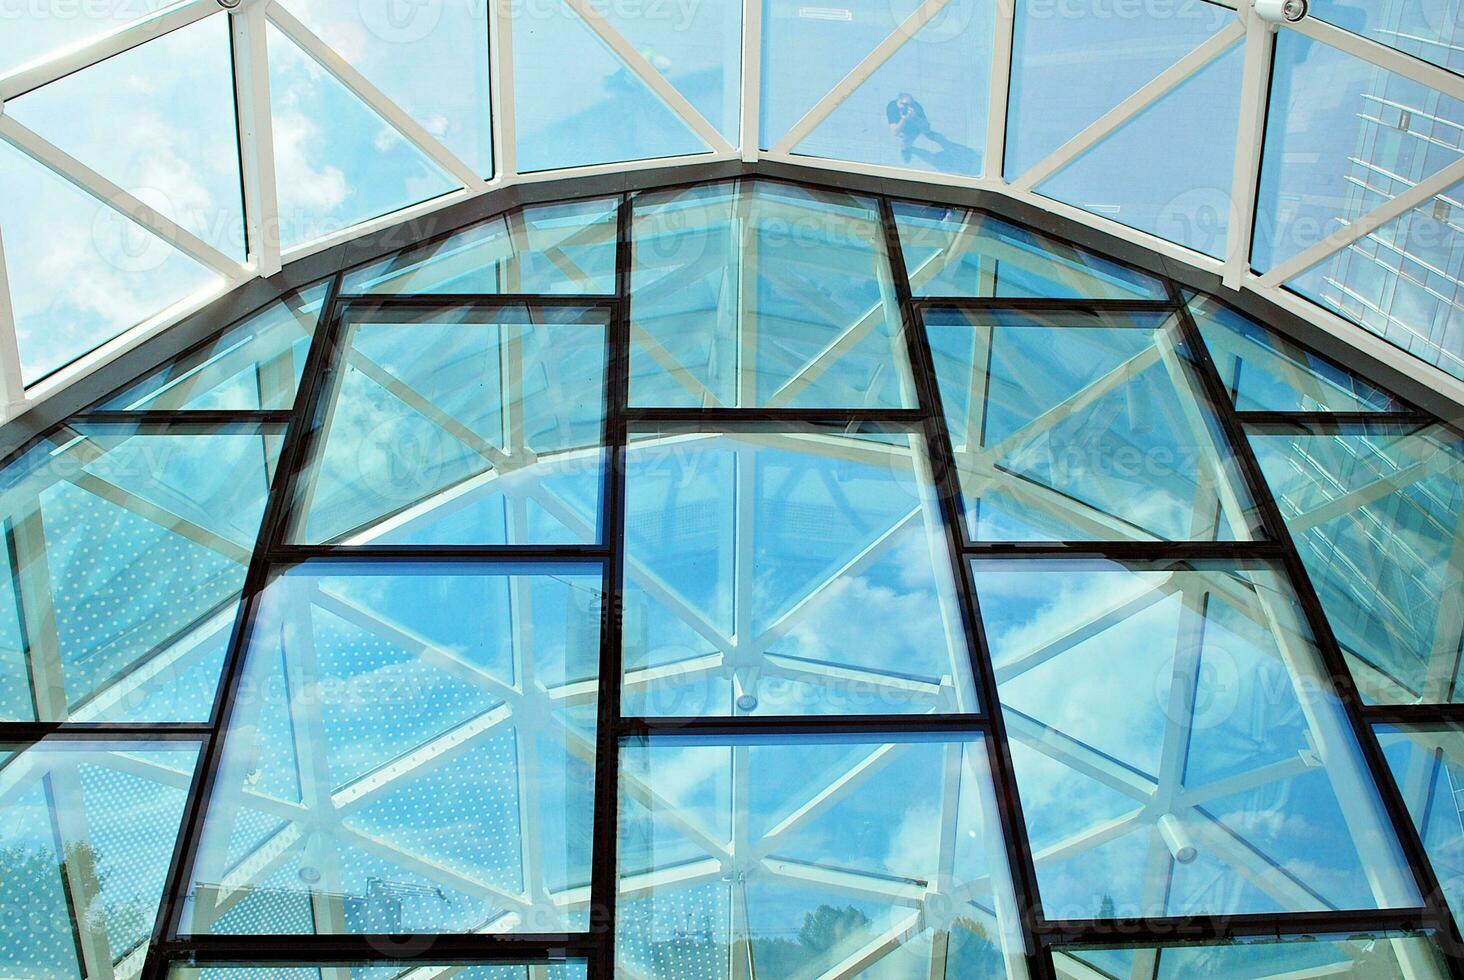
x=500, y=86
x=1163, y=84
x=12, y=383
x=256, y=138
x=1390, y=58
x=88, y=180
x=1366, y=224
x=999, y=93
x=750, y=133
x=857, y=75
x=30, y=77
x=361, y=87
x=654, y=80
x=1260, y=46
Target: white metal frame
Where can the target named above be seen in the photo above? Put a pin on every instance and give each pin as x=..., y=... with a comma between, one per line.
x=265, y=256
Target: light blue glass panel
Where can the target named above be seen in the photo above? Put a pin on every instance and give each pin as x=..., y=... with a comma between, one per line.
x=431, y=59
x=255, y=365
x=87, y=832
x=576, y=103
x=557, y=248
x=158, y=121
x=46, y=31
x=1427, y=29
x=1178, y=746
x=1072, y=62
x=1071, y=426
x=1186, y=197
x=414, y=751
x=337, y=162
x=1427, y=762
x=761, y=294
x=952, y=252
x=787, y=573
x=127, y=550
x=460, y=426
x=560, y=970
x=1360, y=955
x=1375, y=513
x=868, y=838
x=926, y=106
x=1404, y=281
x=1265, y=372
x=1342, y=137
x=80, y=273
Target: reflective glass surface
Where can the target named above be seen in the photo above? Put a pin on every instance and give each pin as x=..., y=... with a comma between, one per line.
x=787, y=573
x=812, y=857
x=763, y=295
x=413, y=750
x=1178, y=747
x=127, y=548
x=951, y=252
x=1376, y=515
x=253, y=366
x=1427, y=762
x=1427, y=29
x=88, y=830
x=559, y=248
x=1074, y=426
x=1360, y=957
x=461, y=425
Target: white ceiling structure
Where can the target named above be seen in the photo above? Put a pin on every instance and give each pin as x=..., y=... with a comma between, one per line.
x=715, y=90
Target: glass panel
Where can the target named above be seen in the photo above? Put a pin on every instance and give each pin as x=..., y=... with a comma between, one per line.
x=558, y=248
x=763, y=295
x=1427, y=762
x=85, y=844
x=431, y=59
x=950, y=252
x=378, y=970
x=253, y=366
x=80, y=273
x=1376, y=514
x=1427, y=29
x=37, y=33
x=1178, y=747
x=460, y=426
x=1071, y=63
x=1365, y=956
x=1072, y=426
x=158, y=121
x=1342, y=137
x=576, y=103
x=1404, y=282
x=1187, y=199
x=126, y=552
x=338, y=163
x=787, y=573
x=1265, y=372
x=807, y=857
x=413, y=750
x=924, y=108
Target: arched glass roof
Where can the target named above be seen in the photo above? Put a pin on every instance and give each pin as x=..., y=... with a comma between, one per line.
x=156, y=154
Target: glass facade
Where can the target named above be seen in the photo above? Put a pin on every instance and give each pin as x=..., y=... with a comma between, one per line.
x=740, y=580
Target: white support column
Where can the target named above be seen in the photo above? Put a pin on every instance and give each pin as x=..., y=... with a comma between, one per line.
x=500, y=87
x=999, y=92
x=12, y=383
x=1260, y=46
x=256, y=137
x=750, y=134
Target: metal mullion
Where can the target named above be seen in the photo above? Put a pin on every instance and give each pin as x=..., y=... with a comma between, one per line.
x=294, y=554
x=1170, y=930
x=1415, y=714
x=184, y=417
x=910, y=418
x=361, y=948
x=604, y=872
x=363, y=306
x=271, y=529
x=720, y=726
x=1044, y=304
x=1178, y=551
x=1012, y=824
x=158, y=731
x=1330, y=651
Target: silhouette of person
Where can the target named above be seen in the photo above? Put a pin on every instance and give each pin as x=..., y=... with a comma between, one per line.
x=908, y=123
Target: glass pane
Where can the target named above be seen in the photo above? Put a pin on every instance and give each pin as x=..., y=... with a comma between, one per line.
x=558, y=248
x=1265, y=372
x=413, y=750
x=1427, y=762
x=88, y=835
x=1072, y=426
x=1427, y=29
x=800, y=857
x=460, y=426
x=158, y=121
x=924, y=108
x=48, y=30
x=950, y=252
x=378, y=970
x=787, y=573
x=1376, y=515
x=253, y=366
x=761, y=294
x=1178, y=747
x=1366, y=956
x=127, y=551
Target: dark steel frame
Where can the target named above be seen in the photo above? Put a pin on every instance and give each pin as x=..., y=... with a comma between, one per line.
x=274, y=551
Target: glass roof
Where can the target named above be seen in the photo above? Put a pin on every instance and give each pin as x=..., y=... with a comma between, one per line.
x=156, y=154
